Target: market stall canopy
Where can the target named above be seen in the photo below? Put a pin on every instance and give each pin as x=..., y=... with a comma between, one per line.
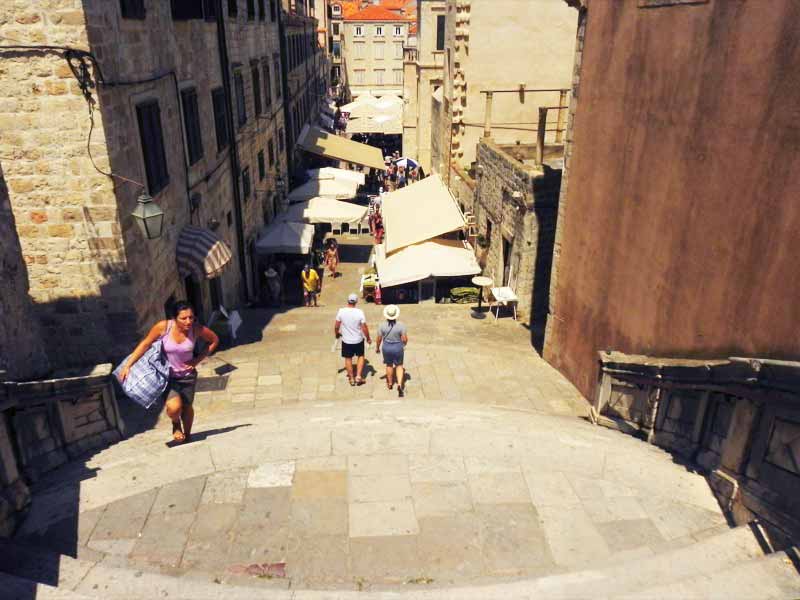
x=201, y=254
x=434, y=258
x=316, y=141
x=332, y=188
x=325, y=210
x=285, y=237
x=419, y=212
x=334, y=173
x=381, y=123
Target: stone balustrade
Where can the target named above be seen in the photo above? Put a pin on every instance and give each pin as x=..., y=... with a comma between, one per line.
x=737, y=420
x=45, y=423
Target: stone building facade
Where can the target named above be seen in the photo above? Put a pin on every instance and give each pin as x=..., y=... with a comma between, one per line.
x=22, y=354
x=680, y=239
x=423, y=65
x=207, y=141
x=498, y=45
x=515, y=209
x=373, y=40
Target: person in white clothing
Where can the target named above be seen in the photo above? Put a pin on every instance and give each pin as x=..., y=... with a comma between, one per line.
x=351, y=326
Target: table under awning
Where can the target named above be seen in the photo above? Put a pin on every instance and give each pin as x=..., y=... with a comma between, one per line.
x=285, y=237
x=201, y=254
x=334, y=173
x=322, y=143
x=434, y=258
x=331, y=188
x=325, y=210
x=418, y=212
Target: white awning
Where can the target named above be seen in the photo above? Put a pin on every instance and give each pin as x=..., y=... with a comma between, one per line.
x=326, y=210
x=434, y=258
x=419, y=212
x=334, y=173
x=380, y=123
x=285, y=237
x=332, y=188
x=316, y=141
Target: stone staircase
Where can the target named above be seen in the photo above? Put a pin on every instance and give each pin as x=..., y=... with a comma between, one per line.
x=727, y=565
x=606, y=471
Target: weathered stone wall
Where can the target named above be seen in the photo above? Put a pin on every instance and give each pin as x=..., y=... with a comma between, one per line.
x=463, y=187
x=681, y=239
x=45, y=423
x=520, y=203
x=97, y=284
x=22, y=353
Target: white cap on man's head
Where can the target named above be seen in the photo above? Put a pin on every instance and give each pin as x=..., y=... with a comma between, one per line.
x=352, y=298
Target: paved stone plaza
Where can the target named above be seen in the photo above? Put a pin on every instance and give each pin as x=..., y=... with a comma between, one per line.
x=484, y=475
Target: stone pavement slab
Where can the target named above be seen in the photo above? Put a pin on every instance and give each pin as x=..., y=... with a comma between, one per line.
x=380, y=519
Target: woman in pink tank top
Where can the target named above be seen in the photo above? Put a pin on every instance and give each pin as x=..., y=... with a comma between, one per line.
x=179, y=337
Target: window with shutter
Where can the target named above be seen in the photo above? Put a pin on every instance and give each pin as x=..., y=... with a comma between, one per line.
x=220, y=122
x=246, y=183
x=273, y=10
x=271, y=152
x=132, y=9
x=267, y=85
x=241, y=102
x=276, y=69
x=281, y=140
x=440, y=32
x=262, y=10
x=191, y=124
x=155, y=161
x=233, y=8
x=254, y=72
x=183, y=10
x=262, y=168
x=251, y=10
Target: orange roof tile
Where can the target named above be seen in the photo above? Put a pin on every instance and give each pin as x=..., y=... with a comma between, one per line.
x=375, y=13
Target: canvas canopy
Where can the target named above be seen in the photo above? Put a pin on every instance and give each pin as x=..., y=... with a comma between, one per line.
x=201, y=253
x=419, y=212
x=434, y=258
x=332, y=188
x=334, y=173
x=322, y=143
x=381, y=123
x=326, y=210
x=285, y=237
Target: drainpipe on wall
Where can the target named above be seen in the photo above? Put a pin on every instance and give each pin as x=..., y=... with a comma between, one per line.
x=224, y=65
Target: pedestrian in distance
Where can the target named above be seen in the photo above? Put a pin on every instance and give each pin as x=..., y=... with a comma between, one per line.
x=311, y=286
x=179, y=337
x=351, y=326
x=332, y=257
x=393, y=336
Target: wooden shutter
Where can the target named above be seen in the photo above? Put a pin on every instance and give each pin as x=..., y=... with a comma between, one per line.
x=210, y=9
x=262, y=10
x=267, y=85
x=256, y=88
x=233, y=8
x=191, y=123
x=183, y=10
x=220, y=122
x=251, y=10
x=132, y=9
x=241, y=103
x=155, y=161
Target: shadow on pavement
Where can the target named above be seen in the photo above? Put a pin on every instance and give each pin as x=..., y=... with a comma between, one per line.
x=199, y=436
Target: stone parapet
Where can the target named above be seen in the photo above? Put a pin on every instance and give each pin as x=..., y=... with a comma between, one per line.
x=737, y=420
x=45, y=423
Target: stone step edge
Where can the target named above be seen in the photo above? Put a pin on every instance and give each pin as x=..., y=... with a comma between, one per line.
x=620, y=578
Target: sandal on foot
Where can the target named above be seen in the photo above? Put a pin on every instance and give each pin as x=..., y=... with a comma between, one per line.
x=177, y=432
x=360, y=381
x=401, y=392
x=351, y=380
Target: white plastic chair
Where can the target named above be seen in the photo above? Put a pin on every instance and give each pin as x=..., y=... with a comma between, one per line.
x=504, y=296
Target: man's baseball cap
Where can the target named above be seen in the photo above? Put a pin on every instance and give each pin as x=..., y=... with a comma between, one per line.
x=352, y=298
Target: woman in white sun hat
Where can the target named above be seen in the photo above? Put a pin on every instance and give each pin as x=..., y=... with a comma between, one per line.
x=392, y=334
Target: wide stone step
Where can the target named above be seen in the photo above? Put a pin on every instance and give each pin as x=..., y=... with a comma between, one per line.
x=772, y=577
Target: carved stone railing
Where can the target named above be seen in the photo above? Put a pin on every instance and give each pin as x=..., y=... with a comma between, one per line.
x=410, y=54
x=737, y=419
x=43, y=424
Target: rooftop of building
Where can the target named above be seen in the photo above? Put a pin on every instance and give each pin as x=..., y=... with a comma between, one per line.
x=375, y=13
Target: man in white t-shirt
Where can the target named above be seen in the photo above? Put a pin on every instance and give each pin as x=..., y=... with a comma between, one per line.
x=351, y=326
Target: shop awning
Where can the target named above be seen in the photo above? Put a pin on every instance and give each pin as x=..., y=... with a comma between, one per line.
x=419, y=212
x=316, y=141
x=326, y=210
x=334, y=173
x=380, y=123
x=332, y=188
x=285, y=237
x=201, y=254
x=434, y=258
